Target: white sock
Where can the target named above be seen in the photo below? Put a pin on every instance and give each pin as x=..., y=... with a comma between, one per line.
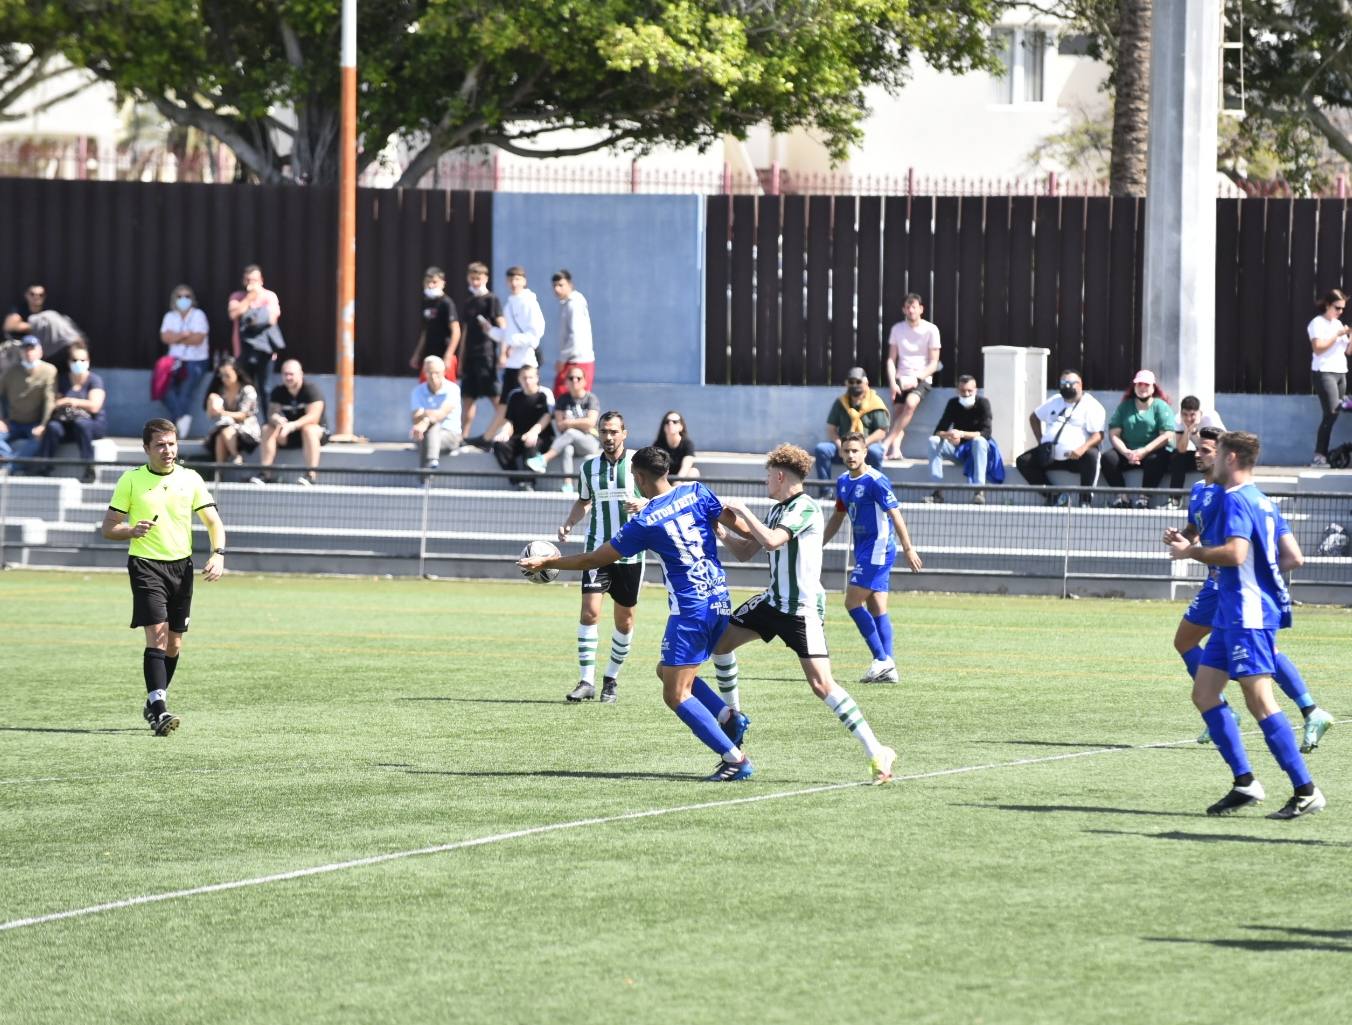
x=725, y=669
x=853, y=720
x=586, y=653
x=619, y=651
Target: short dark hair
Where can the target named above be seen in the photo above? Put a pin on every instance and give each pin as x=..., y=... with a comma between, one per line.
x=1209, y=434
x=858, y=436
x=159, y=425
x=611, y=414
x=1244, y=445
x=966, y=379
x=913, y=295
x=1071, y=370
x=477, y=267
x=249, y=268
x=434, y=272
x=562, y=274
x=514, y=271
x=652, y=461
x=1191, y=403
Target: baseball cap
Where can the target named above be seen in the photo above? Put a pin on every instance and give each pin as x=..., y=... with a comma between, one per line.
x=28, y=341
x=1143, y=377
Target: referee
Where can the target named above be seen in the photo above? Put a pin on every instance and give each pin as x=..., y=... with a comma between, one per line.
x=152, y=507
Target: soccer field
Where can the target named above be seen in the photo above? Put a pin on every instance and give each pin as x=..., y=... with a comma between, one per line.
x=380, y=810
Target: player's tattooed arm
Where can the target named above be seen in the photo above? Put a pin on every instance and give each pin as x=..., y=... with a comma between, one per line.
x=603, y=556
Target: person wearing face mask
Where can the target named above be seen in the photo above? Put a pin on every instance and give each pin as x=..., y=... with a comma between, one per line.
x=440, y=332
x=78, y=413
x=1069, y=429
x=481, y=312
x=859, y=410
x=963, y=434
x=27, y=395
x=1141, y=435
x=184, y=330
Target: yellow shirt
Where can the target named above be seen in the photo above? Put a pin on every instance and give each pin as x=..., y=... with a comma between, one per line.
x=170, y=499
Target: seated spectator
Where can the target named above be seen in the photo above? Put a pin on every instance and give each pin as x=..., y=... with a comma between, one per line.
x=963, y=434
x=184, y=330
x=575, y=417
x=858, y=410
x=1191, y=419
x=27, y=396
x=525, y=425
x=435, y=404
x=1069, y=428
x=232, y=407
x=673, y=438
x=295, y=420
x=77, y=414
x=17, y=321
x=55, y=331
x=1140, y=434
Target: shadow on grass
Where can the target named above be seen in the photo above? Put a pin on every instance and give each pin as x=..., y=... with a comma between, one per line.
x=1296, y=930
x=493, y=701
x=679, y=777
x=67, y=729
x=1285, y=841
x=1086, y=809
x=1262, y=946
x=1055, y=743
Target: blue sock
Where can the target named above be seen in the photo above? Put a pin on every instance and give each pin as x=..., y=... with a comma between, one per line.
x=1192, y=658
x=1289, y=680
x=1225, y=735
x=1282, y=743
x=708, y=697
x=868, y=629
x=703, y=725
x=884, y=625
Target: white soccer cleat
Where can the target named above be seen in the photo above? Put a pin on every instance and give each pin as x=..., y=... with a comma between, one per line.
x=881, y=766
x=880, y=670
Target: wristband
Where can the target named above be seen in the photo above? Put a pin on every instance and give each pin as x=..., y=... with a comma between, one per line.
x=218, y=551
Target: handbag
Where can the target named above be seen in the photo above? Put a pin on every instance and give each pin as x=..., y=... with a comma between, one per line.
x=161, y=376
x=1046, y=451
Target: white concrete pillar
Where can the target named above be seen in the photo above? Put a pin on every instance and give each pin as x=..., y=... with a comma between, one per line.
x=1014, y=379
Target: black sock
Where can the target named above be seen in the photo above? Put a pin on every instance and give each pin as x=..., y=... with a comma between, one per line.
x=1305, y=790
x=155, y=672
x=1244, y=780
x=170, y=664
x=1308, y=711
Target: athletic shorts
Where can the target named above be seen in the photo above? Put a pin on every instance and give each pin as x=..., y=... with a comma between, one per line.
x=295, y=439
x=161, y=592
x=1240, y=653
x=804, y=635
x=921, y=389
x=690, y=640
x=1202, y=610
x=478, y=381
x=621, y=580
x=873, y=576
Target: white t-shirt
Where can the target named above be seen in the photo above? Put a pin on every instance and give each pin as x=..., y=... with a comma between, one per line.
x=1080, y=419
x=1332, y=360
x=913, y=346
x=194, y=322
x=1209, y=418
x=525, y=327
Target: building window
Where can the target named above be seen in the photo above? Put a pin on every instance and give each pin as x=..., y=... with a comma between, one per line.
x=1023, y=52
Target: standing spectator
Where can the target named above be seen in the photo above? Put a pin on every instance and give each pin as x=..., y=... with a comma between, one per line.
x=77, y=414
x=17, y=321
x=860, y=410
x=184, y=329
x=1187, y=430
x=478, y=352
x=1329, y=342
x=440, y=331
x=963, y=433
x=255, y=339
x=31, y=316
x=575, y=332
x=1069, y=428
x=435, y=405
x=524, y=426
x=576, y=414
x=520, y=336
x=27, y=395
x=1141, y=434
x=673, y=438
x=912, y=362
x=295, y=420
x=232, y=407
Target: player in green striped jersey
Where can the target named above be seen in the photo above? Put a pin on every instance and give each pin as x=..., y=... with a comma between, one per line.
x=793, y=606
x=605, y=489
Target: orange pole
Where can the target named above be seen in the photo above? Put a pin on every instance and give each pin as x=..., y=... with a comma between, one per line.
x=347, y=228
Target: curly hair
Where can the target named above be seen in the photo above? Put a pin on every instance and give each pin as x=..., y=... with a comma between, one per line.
x=792, y=459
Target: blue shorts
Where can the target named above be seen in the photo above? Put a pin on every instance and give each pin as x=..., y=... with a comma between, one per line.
x=872, y=576
x=1240, y=653
x=690, y=640
x=1202, y=611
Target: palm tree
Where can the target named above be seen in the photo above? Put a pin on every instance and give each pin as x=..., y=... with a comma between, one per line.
x=1131, y=111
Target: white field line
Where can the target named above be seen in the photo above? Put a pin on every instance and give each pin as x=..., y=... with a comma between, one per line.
x=342, y=866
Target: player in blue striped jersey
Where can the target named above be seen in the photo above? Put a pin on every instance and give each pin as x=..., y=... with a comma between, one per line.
x=1253, y=548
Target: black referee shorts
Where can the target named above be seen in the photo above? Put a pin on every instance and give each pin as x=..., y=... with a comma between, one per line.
x=804, y=635
x=161, y=592
x=621, y=580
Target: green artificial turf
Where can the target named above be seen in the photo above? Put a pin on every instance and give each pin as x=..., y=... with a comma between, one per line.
x=328, y=720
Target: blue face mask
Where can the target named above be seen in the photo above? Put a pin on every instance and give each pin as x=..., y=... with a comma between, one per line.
x=183, y=303
x=28, y=364
x=79, y=366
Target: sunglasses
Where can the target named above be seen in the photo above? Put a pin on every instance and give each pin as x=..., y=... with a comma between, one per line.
x=576, y=377
x=674, y=423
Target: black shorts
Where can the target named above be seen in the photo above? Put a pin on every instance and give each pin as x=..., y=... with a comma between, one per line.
x=509, y=380
x=295, y=439
x=161, y=592
x=478, y=380
x=621, y=580
x=921, y=389
x=804, y=635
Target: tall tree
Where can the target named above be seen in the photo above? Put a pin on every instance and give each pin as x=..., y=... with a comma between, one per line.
x=1131, y=104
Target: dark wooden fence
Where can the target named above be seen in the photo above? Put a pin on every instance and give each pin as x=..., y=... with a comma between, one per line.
x=110, y=252
x=799, y=289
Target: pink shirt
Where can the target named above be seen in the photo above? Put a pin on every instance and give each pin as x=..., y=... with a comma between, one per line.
x=912, y=346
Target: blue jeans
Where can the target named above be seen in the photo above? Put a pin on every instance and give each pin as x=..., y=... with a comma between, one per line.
x=179, y=398
x=18, y=432
x=83, y=432
x=941, y=449
x=827, y=454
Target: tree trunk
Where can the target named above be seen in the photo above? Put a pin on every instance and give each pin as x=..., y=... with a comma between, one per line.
x=1131, y=110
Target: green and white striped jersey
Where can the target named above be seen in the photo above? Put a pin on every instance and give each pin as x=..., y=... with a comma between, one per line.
x=607, y=486
x=796, y=567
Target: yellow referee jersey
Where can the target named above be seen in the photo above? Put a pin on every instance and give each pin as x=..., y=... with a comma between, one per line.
x=170, y=499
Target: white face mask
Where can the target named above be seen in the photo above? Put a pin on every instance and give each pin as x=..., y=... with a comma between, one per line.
x=432, y=293
x=183, y=303
x=966, y=401
x=28, y=364
x=79, y=366
x=478, y=289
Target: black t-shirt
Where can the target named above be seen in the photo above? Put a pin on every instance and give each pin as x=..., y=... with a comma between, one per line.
x=955, y=417
x=524, y=412
x=437, y=315
x=677, y=454
x=21, y=308
x=475, y=346
x=293, y=406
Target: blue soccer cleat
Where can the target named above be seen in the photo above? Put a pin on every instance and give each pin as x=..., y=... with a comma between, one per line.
x=730, y=772
x=735, y=727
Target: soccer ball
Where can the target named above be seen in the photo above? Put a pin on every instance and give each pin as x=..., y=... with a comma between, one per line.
x=535, y=550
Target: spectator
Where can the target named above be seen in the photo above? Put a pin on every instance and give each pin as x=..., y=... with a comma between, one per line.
x=435, y=404
x=520, y=337
x=575, y=417
x=1141, y=434
x=524, y=427
x=1329, y=342
x=295, y=420
x=912, y=353
x=673, y=438
x=481, y=313
x=27, y=396
x=30, y=316
x=963, y=434
x=255, y=337
x=860, y=410
x=1069, y=428
x=78, y=413
x=184, y=329
x=232, y=407
x=440, y=332
x=17, y=321
x=1191, y=419
x=575, y=333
